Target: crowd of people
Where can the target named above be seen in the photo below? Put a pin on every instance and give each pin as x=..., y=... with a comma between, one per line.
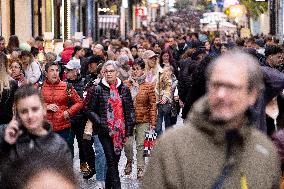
x=110, y=94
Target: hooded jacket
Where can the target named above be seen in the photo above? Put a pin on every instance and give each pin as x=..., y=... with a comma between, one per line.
x=193, y=156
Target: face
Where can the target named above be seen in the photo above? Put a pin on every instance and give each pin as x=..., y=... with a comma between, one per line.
x=92, y=67
x=134, y=51
x=26, y=60
x=223, y=49
x=137, y=71
x=110, y=74
x=207, y=45
x=171, y=41
x=152, y=61
x=72, y=74
x=228, y=93
x=2, y=45
x=275, y=59
x=15, y=69
x=52, y=74
x=157, y=48
x=31, y=113
x=48, y=179
x=166, y=58
x=96, y=50
x=217, y=41
x=140, y=52
x=80, y=53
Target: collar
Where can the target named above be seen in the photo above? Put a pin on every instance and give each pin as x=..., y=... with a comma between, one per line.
x=199, y=118
x=118, y=82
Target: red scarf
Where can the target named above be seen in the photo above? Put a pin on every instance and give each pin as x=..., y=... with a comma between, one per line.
x=115, y=120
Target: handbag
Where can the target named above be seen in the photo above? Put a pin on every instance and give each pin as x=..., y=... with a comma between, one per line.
x=149, y=141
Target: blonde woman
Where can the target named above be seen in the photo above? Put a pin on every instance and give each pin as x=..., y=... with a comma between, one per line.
x=152, y=66
x=8, y=86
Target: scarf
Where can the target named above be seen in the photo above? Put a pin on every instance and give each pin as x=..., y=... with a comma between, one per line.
x=136, y=82
x=115, y=119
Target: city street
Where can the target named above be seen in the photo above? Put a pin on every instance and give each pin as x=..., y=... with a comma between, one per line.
x=127, y=182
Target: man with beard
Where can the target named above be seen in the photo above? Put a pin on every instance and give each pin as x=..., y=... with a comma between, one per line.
x=215, y=49
x=219, y=146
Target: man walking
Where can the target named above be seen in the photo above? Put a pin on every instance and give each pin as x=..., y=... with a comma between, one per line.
x=218, y=146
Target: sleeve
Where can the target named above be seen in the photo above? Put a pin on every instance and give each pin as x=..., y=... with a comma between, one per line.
x=152, y=105
x=4, y=146
x=155, y=176
x=78, y=103
x=274, y=82
x=36, y=72
x=91, y=113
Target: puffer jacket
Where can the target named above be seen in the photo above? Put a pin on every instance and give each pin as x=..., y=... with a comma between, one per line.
x=66, y=54
x=98, y=105
x=57, y=94
x=28, y=143
x=145, y=103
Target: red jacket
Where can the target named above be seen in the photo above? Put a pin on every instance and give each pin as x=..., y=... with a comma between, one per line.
x=57, y=94
x=66, y=54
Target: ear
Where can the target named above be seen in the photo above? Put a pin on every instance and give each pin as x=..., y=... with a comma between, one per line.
x=253, y=95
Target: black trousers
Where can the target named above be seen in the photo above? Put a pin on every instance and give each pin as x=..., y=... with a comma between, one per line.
x=112, y=174
x=86, y=151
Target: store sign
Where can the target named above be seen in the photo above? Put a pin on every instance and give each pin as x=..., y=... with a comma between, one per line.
x=140, y=11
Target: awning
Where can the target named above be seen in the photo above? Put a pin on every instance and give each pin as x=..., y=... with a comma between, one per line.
x=108, y=21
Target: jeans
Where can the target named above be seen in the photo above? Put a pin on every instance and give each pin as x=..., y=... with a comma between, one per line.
x=101, y=166
x=139, y=134
x=163, y=117
x=78, y=131
x=112, y=174
x=68, y=136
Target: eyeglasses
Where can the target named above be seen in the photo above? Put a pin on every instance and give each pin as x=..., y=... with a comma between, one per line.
x=15, y=67
x=109, y=71
x=229, y=87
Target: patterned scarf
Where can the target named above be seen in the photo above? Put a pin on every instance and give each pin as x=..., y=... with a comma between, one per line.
x=115, y=119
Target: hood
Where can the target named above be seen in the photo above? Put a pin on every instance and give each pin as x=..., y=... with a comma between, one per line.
x=105, y=83
x=199, y=118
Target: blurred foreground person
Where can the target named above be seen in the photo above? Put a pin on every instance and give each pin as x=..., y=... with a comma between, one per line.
x=39, y=170
x=219, y=146
x=29, y=131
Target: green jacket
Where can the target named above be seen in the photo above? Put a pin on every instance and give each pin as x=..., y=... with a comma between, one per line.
x=193, y=156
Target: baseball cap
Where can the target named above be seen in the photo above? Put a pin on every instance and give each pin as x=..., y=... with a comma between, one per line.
x=73, y=64
x=149, y=54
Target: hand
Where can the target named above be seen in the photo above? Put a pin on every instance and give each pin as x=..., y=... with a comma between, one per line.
x=52, y=107
x=66, y=115
x=12, y=132
x=152, y=127
x=181, y=104
x=176, y=98
x=163, y=100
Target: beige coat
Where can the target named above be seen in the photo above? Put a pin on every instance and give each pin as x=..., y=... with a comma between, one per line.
x=193, y=156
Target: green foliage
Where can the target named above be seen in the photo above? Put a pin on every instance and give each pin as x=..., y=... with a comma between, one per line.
x=254, y=8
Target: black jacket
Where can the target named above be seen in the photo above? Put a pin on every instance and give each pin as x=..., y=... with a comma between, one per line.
x=98, y=105
x=6, y=103
x=27, y=143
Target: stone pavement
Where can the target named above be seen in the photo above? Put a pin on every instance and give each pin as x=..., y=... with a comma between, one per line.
x=127, y=182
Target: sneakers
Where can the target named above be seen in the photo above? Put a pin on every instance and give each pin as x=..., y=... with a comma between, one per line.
x=84, y=168
x=128, y=167
x=100, y=185
x=140, y=173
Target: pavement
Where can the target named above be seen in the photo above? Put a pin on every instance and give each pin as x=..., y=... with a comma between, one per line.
x=127, y=182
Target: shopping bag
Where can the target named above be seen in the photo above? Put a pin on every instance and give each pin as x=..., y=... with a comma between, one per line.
x=149, y=142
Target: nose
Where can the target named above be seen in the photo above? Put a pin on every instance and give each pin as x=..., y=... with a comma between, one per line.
x=221, y=92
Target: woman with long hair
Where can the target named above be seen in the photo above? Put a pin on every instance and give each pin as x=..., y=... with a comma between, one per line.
x=13, y=44
x=167, y=59
x=7, y=89
x=152, y=66
x=31, y=67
